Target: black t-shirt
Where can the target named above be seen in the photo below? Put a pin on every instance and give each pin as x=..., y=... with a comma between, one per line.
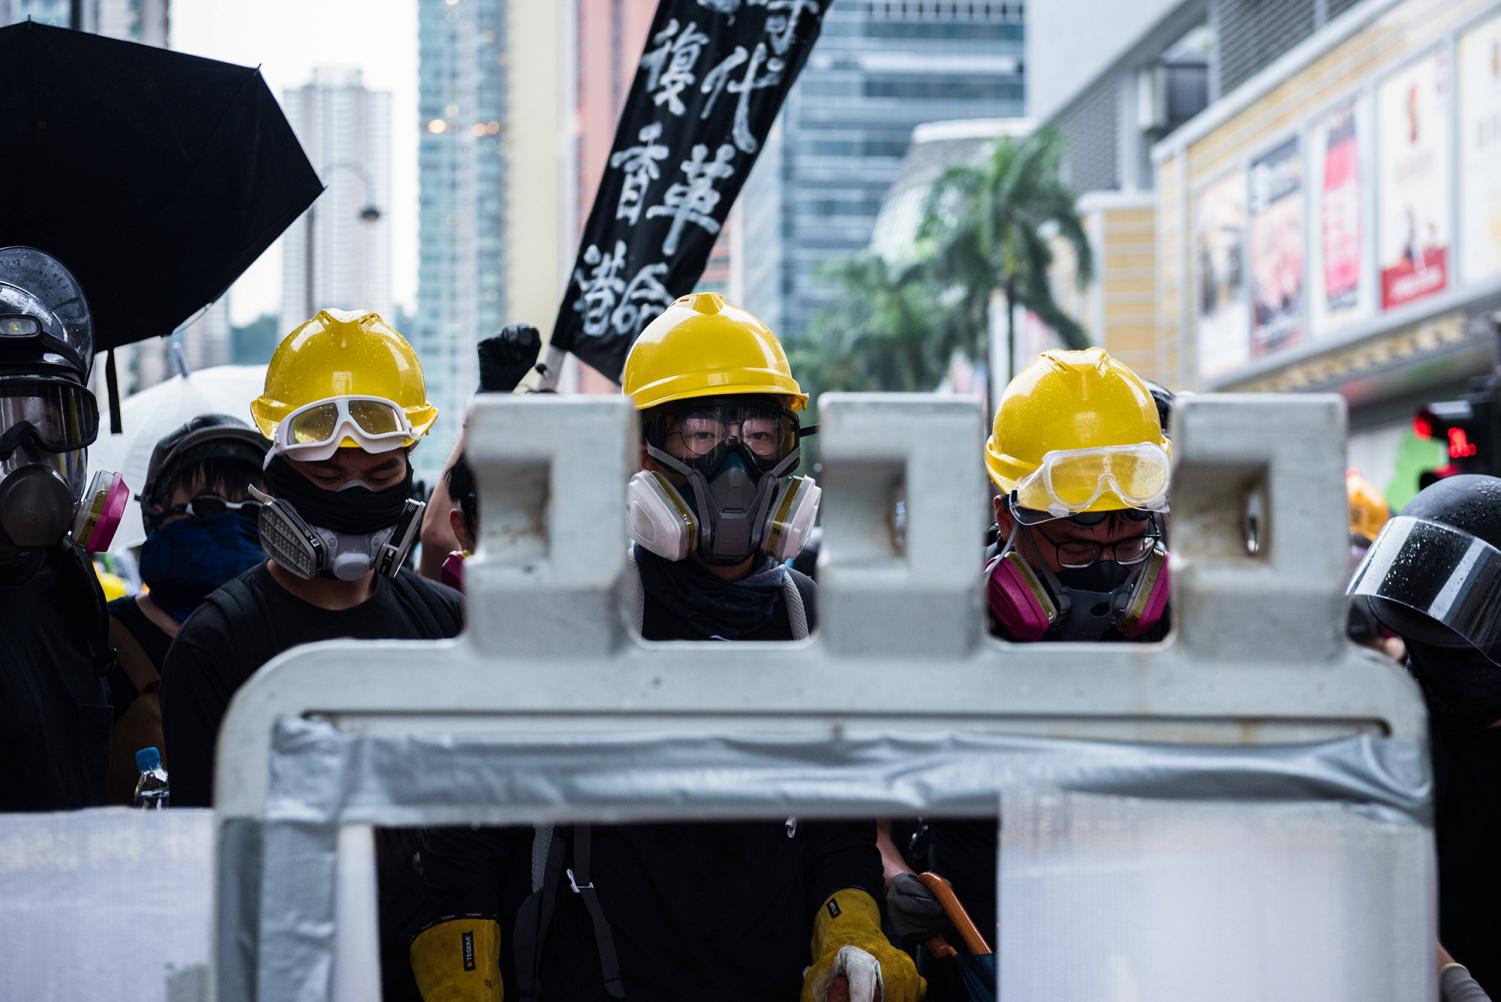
x=1467, y=830
x=248, y=622
x=54, y=706
x=238, y=629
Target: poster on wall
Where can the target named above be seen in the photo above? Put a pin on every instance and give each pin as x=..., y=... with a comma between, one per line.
x=1414, y=193
x=1275, y=218
x=1479, y=147
x=1339, y=295
x=1219, y=235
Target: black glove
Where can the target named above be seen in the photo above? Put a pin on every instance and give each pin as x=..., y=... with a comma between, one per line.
x=912, y=911
x=505, y=358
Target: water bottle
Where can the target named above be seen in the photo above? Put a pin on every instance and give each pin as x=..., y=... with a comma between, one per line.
x=151, y=788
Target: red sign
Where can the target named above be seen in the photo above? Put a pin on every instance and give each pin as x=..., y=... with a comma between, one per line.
x=1415, y=277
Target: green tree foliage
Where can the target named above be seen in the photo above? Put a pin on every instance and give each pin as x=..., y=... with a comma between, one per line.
x=898, y=328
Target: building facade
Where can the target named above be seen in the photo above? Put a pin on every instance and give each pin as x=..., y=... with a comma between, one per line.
x=345, y=130
x=880, y=68
x=462, y=95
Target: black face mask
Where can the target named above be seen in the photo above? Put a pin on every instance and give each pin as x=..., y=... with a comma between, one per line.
x=1462, y=685
x=355, y=510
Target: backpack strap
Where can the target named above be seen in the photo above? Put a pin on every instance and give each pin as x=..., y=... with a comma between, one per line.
x=132, y=657
x=580, y=880
x=431, y=614
x=534, y=917
x=798, y=594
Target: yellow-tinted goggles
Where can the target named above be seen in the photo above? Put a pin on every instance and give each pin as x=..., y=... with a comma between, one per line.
x=315, y=431
x=1070, y=481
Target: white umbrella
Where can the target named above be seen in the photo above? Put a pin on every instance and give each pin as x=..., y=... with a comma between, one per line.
x=149, y=415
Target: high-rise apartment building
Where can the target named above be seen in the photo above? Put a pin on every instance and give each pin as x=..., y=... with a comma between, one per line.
x=345, y=130
x=880, y=68
x=137, y=20
x=461, y=289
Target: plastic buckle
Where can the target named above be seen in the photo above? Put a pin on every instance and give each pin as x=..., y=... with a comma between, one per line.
x=574, y=884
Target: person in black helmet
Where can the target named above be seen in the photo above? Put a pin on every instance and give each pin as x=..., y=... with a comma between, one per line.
x=1433, y=577
x=200, y=533
x=54, y=645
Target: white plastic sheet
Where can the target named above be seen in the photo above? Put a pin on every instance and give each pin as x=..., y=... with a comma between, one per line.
x=1135, y=900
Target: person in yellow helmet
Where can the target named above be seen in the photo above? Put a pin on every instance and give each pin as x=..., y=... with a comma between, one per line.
x=1080, y=462
x=344, y=402
x=685, y=911
x=1368, y=513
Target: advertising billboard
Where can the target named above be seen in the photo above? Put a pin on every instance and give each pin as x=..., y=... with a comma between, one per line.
x=1340, y=291
x=1479, y=148
x=1275, y=217
x=1413, y=161
x=1220, y=274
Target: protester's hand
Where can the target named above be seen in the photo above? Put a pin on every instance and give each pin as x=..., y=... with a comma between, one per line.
x=505, y=358
x=915, y=915
x=852, y=960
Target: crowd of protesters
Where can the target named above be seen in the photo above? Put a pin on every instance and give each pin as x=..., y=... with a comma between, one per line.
x=298, y=528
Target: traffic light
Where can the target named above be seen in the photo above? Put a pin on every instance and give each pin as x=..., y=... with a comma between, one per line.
x=1469, y=429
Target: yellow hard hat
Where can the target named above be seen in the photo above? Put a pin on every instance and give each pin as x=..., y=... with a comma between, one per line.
x=113, y=585
x=1368, y=509
x=704, y=347
x=1067, y=401
x=342, y=353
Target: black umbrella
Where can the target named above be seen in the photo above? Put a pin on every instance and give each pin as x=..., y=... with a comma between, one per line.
x=156, y=177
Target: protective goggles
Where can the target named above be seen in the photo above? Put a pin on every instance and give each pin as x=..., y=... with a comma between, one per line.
x=1447, y=576
x=699, y=433
x=316, y=431
x=53, y=415
x=1070, y=481
x=204, y=505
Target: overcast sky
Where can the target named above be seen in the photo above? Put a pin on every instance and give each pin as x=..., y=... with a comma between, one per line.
x=287, y=39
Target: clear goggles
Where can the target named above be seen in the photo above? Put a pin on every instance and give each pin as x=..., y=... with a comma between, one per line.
x=51, y=415
x=700, y=432
x=1448, y=577
x=1071, y=481
x=317, y=430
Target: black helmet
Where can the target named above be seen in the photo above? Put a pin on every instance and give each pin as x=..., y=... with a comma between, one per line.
x=1433, y=574
x=206, y=437
x=45, y=325
x=1164, y=399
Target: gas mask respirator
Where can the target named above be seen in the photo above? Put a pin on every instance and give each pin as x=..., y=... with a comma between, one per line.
x=1032, y=603
x=342, y=534
x=735, y=499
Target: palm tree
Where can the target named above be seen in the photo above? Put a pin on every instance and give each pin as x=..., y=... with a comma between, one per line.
x=983, y=230
x=877, y=336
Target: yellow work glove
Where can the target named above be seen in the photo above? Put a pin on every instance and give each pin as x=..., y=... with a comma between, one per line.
x=848, y=944
x=458, y=960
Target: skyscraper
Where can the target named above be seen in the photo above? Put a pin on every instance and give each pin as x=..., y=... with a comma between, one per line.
x=880, y=68
x=345, y=130
x=461, y=289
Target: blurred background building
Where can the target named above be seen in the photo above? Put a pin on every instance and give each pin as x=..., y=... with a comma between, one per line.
x=880, y=68
x=345, y=130
x=1291, y=195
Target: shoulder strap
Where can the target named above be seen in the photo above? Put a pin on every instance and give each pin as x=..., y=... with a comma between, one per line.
x=534, y=917
x=797, y=612
x=635, y=590
x=132, y=656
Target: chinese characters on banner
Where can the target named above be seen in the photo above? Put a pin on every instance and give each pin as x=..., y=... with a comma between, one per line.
x=710, y=83
x=1276, y=232
x=1479, y=148
x=1220, y=227
x=1339, y=295
x=1412, y=107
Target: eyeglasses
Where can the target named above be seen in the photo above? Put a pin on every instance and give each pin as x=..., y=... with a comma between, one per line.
x=314, y=431
x=213, y=504
x=1075, y=554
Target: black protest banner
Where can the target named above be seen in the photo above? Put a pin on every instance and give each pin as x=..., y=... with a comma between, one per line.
x=710, y=83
